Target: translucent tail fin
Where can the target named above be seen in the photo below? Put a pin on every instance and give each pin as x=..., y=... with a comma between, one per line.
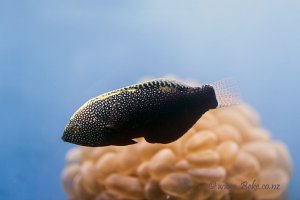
x=227, y=92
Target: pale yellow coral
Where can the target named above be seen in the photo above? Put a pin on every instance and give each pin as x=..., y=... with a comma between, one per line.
x=226, y=155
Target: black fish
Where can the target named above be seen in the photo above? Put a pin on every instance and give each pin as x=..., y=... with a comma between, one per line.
x=161, y=111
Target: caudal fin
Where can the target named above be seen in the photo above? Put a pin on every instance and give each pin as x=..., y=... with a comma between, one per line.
x=227, y=92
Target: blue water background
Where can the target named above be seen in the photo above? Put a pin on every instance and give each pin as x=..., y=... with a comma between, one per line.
x=55, y=55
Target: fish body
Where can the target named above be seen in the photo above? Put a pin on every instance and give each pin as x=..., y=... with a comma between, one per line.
x=161, y=111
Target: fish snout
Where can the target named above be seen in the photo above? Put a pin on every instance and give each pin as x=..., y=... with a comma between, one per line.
x=66, y=136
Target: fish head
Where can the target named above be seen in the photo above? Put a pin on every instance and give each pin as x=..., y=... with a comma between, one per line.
x=84, y=128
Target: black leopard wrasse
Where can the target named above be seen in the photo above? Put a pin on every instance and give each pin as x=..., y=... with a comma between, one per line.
x=160, y=110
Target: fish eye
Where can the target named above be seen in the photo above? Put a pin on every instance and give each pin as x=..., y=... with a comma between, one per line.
x=75, y=127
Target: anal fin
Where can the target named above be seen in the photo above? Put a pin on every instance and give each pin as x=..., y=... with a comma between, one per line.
x=163, y=137
x=123, y=142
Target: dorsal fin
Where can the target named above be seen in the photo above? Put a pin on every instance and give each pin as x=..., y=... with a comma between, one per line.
x=160, y=83
x=147, y=84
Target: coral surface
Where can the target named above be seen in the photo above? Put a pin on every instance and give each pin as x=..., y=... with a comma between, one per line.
x=225, y=155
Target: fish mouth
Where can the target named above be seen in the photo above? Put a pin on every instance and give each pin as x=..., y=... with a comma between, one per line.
x=64, y=137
